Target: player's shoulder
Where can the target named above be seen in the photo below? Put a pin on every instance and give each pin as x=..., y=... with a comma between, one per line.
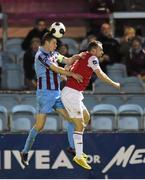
x=40, y=53
x=93, y=59
x=55, y=53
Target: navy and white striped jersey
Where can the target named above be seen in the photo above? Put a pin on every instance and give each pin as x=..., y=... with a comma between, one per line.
x=46, y=78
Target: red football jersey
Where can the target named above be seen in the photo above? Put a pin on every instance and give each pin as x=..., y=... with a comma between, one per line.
x=85, y=67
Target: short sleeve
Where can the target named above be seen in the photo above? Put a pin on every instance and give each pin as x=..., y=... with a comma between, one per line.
x=44, y=60
x=93, y=63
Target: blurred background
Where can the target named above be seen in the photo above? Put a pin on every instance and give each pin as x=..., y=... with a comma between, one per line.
x=119, y=25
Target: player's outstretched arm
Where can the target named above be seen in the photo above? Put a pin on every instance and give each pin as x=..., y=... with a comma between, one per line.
x=102, y=76
x=62, y=71
x=72, y=59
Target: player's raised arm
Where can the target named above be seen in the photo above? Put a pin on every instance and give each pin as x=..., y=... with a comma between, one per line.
x=70, y=60
x=50, y=65
x=93, y=62
x=102, y=76
x=62, y=71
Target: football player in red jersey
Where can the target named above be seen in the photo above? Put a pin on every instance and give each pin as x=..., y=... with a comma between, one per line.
x=72, y=95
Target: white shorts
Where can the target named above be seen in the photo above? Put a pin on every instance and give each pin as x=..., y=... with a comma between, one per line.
x=72, y=101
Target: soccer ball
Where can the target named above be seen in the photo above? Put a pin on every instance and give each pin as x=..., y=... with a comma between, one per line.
x=57, y=29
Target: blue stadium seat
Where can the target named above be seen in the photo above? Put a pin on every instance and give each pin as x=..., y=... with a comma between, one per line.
x=132, y=85
x=53, y=122
x=90, y=101
x=144, y=120
x=8, y=57
x=29, y=99
x=136, y=99
x=14, y=41
x=14, y=46
x=130, y=117
x=115, y=100
x=116, y=71
x=10, y=100
x=19, y=58
x=12, y=77
x=103, y=117
x=3, y=119
x=22, y=118
x=72, y=44
x=102, y=87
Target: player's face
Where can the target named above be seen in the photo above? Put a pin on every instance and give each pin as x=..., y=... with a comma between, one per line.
x=52, y=44
x=98, y=52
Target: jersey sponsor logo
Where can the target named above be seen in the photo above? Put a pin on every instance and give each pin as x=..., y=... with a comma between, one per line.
x=95, y=62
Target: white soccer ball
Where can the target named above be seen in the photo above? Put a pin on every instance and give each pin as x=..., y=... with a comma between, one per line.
x=57, y=29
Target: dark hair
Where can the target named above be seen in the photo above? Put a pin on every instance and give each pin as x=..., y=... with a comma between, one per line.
x=94, y=44
x=136, y=39
x=66, y=45
x=39, y=20
x=47, y=37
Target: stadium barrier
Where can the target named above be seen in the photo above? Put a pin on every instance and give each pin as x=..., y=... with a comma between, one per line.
x=112, y=155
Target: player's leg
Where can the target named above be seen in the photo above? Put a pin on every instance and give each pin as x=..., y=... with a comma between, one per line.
x=72, y=101
x=38, y=126
x=86, y=116
x=59, y=107
x=70, y=131
x=80, y=159
x=63, y=113
x=44, y=106
x=77, y=126
x=71, y=126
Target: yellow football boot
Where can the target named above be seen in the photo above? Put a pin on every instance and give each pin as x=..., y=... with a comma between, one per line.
x=82, y=162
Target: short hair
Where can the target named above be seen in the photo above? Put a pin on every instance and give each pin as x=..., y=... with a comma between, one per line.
x=129, y=30
x=94, y=44
x=136, y=39
x=66, y=45
x=39, y=20
x=47, y=37
x=35, y=39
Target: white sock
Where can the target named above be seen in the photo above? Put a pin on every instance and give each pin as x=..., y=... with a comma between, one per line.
x=78, y=141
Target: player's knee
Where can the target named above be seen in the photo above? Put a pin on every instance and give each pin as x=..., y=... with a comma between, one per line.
x=86, y=115
x=79, y=126
x=87, y=119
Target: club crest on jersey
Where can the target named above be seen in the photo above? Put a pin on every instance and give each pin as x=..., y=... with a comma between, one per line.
x=95, y=62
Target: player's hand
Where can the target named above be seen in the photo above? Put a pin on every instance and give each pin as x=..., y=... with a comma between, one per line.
x=116, y=85
x=67, y=67
x=76, y=57
x=79, y=56
x=82, y=55
x=63, y=78
x=77, y=77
